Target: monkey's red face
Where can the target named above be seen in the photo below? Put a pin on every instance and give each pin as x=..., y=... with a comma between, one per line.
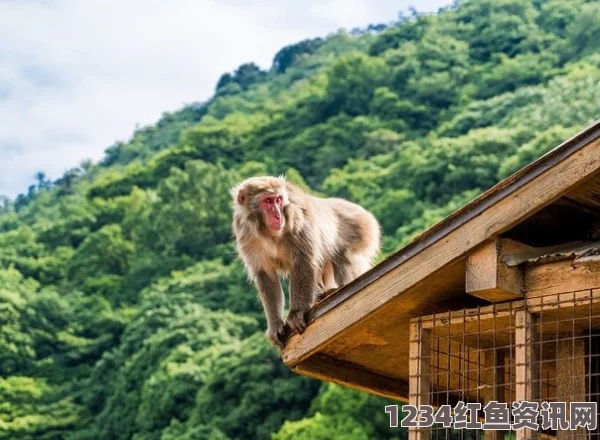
x=272, y=208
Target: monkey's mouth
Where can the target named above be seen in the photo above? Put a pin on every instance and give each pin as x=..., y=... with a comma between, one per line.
x=275, y=224
x=274, y=221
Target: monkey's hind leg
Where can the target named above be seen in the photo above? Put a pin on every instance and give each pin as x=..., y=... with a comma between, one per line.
x=359, y=264
x=328, y=284
x=349, y=267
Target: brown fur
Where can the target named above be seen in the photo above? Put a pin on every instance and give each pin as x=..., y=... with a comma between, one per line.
x=325, y=243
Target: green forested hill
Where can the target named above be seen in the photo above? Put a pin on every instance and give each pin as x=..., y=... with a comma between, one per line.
x=123, y=311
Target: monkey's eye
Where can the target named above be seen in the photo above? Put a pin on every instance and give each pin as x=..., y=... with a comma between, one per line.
x=269, y=200
x=278, y=200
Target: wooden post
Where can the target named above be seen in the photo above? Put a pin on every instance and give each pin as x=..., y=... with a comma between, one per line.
x=488, y=277
x=526, y=364
x=419, y=380
x=570, y=377
x=494, y=364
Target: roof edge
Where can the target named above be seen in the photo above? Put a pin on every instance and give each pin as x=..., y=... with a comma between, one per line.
x=462, y=215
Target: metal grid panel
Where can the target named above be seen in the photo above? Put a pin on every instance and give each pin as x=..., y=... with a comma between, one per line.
x=544, y=349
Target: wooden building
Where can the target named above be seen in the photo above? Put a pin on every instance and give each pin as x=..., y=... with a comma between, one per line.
x=499, y=301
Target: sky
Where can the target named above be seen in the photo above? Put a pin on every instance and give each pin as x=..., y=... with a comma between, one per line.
x=78, y=75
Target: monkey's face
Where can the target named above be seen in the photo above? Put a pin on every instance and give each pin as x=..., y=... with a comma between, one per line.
x=271, y=205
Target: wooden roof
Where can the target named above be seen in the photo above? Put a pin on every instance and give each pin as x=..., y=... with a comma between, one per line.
x=359, y=335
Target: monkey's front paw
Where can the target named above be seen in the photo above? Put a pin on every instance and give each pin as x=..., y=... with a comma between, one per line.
x=296, y=321
x=275, y=333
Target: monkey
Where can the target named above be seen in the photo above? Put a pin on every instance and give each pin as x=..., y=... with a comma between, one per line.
x=318, y=244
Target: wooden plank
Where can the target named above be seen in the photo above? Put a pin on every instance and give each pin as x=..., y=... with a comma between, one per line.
x=391, y=279
x=526, y=364
x=419, y=380
x=588, y=195
x=471, y=316
x=561, y=276
x=381, y=342
x=342, y=373
x=559, y=303
x=591, y=207
x=487, y=277
x=570, y=377
x=495, y=370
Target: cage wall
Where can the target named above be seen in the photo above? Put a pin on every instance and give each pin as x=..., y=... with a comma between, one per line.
x=544, y=349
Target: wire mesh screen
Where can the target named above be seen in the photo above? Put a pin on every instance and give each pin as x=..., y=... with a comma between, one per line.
x=541, y=350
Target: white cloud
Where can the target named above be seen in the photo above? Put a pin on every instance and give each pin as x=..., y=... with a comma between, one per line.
x=76, y=76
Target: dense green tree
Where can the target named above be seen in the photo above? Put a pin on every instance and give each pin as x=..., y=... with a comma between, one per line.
x=102, y=254
x=351, y=83
x=498, y=26
x=289, y=54
x=243, y=375
x=339, y=413
x=244, y=77
x=191, y=215
x=584, y=30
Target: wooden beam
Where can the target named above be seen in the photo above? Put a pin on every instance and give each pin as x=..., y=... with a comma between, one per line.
x=419, y=380
x=494, y=363
x=570, y=377
x=526, y=364
x=495, y=371
x=549, y=305
x=497, y=211
x=487, y=277
x=342, y=373
x=561, y=276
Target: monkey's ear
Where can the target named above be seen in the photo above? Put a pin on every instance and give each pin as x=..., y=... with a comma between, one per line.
x=239, y=195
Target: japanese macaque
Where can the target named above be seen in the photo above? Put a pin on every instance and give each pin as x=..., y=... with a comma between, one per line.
x=319, y=244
